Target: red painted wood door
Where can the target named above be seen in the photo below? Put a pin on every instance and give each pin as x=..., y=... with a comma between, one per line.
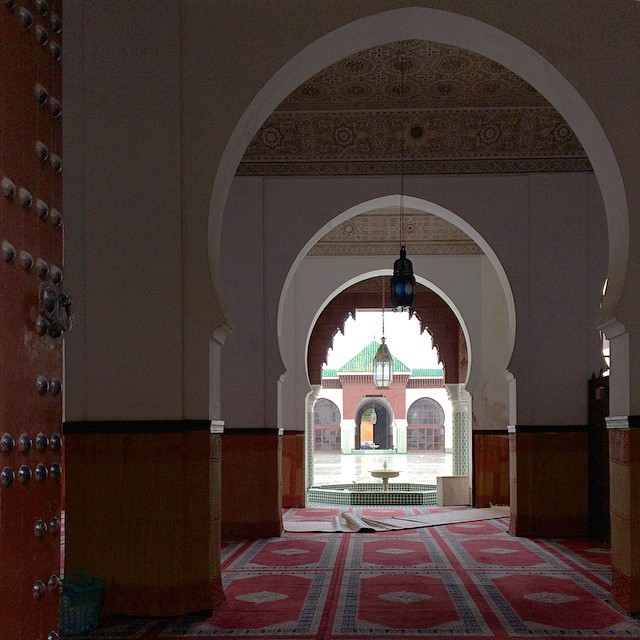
x=32, y=318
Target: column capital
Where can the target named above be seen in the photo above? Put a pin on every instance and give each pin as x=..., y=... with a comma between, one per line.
x=216, y=426
x=612, y=328
x=457, y=392
x=623, y=422
x=312, y=396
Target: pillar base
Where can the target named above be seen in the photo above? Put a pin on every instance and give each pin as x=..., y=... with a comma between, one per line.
x=624, y=449
x=140, y=514
x=251, y=484
x=548, y=468
x=293, y=493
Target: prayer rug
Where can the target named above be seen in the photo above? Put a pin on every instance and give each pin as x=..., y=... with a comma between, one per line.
x=463, y=580
x=351, y=520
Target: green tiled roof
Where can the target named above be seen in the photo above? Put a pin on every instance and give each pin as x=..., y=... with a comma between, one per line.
x=427, y=373
x=363, y=362
x=329, y=373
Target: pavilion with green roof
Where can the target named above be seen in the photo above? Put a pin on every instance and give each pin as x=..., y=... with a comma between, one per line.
x=362, y=362
x=419, y=391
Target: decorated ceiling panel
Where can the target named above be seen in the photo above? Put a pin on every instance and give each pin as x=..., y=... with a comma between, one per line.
x=435, y=76
x=378, y=233
x=456, y=112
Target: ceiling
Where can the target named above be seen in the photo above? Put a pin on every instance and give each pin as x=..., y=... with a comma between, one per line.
x=412, y=108
x=376, y=234
x=435, y=75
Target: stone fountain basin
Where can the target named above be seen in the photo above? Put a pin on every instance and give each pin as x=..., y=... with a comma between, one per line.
x=366, y=493
x=384, y=473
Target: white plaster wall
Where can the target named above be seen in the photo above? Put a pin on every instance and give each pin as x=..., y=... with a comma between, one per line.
x=122, y=211
x=551, y=222
x=151, y=101
x=246, y=386
x=558, y=347
x=490, y=406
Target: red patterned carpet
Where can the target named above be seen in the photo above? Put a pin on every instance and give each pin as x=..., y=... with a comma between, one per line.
x=469, y=580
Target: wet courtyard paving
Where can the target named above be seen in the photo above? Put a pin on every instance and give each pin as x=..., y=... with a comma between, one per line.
x=337, y=468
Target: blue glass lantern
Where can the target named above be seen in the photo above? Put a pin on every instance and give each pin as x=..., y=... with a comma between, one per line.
x=403, y=283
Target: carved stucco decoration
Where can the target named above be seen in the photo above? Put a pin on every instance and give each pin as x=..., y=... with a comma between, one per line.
x=446, y=141
x=460, y=113
x=436, y=75
x=378, y=234
x=434, y=314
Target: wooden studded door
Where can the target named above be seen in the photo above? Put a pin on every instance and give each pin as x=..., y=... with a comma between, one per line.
x=34, y=314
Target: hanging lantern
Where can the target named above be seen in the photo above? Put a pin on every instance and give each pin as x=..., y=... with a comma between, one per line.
x=382, y=367
x=403, y=282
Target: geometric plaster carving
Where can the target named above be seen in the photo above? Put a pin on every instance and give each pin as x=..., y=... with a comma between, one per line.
x=434, y=314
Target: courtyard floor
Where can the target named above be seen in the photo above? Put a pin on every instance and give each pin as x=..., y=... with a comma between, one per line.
x=338, y=468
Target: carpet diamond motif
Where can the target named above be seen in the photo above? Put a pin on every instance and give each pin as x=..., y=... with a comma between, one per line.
x=551, y=598
x=404, y=596
x=499, y=551
x=462, y=581
x=261, y=597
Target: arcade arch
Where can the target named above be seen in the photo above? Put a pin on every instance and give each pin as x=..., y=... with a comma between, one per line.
x=459, y=30
x=433, y=312
x=475, y=310
x=469, y=288
x=326, y=425
x=279, y=273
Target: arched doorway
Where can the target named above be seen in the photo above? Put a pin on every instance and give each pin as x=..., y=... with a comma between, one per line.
x=326, y=426
x=541, y=70
x=374, y=425
x=425, y=426
x=425, y=24
x=441, y=332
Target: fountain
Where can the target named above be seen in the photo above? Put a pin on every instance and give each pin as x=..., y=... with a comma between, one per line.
x=385, y=474
x=371, y=493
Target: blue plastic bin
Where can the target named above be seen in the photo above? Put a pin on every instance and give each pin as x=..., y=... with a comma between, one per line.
x=80, y=603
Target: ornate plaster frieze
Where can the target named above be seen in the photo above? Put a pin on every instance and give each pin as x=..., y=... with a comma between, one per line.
x=457, y=111
x=435, y=75
x=379, y=234
x=435, y=141
x=441, y=167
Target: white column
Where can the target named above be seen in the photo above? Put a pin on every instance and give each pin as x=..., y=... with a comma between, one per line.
x=310, y=401
x=400, y=436
x=461, y=410
x=347, y=436
x=620, y=376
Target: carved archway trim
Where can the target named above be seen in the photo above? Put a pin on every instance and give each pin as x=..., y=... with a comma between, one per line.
x=435, y=316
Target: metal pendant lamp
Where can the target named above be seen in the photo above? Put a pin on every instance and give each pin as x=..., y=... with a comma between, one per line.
x=383, y=361
x=403, y=282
